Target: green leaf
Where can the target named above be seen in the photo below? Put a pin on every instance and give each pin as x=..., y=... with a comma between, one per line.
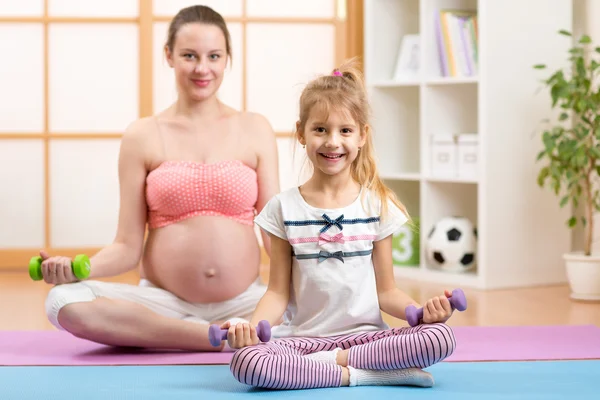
x=564, y=201
x=585, y=39
x=543, y=175
x=549, y=143
x=540, y=155
x=596, y=204
x=539, y=66
x=587, y=121
x=554, y=94
x=566, y=150
x=572, y=222
x=595, y=152
x=556, y=186
x=563, y=116
x=581, y=132
x=584, y=221
x=555, y=78
x=581, y=157
x=564, y=32
x=576, y=51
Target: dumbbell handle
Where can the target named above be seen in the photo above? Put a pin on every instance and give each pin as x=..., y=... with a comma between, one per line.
x=216, y=335
x=80, y=266
x=458, y=301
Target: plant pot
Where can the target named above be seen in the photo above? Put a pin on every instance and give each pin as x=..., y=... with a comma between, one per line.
x=583, y=273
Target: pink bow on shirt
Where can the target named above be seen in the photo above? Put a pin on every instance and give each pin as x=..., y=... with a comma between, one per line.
x=338, y=238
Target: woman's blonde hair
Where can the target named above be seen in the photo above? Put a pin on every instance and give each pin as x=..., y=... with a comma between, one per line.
x=344, y=89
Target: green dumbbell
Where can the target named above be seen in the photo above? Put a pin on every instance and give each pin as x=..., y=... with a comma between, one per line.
x=80, y=266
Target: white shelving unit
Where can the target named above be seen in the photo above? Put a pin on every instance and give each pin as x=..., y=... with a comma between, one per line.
x=521, y=229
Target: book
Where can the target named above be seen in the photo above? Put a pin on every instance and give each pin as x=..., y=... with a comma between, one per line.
x=457, y=40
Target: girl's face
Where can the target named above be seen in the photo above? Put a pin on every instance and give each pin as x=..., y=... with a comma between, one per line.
x=199, y=58
x=332, y=140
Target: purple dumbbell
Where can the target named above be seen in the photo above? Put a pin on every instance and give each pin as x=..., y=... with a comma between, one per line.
x=457, y=301
x=216, y=335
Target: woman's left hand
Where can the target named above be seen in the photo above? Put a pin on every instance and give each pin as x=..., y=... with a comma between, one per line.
x=437, y=309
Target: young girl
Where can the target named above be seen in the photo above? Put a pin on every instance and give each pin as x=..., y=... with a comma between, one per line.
x=331, y=265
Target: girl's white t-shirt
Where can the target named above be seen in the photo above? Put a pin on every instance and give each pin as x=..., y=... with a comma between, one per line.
x=332, y=288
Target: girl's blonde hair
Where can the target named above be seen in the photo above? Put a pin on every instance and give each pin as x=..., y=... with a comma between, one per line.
x=344, y=89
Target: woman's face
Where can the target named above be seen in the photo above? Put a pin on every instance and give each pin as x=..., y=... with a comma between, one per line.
x=199, y=58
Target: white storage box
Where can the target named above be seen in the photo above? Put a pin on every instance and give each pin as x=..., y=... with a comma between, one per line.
x=443, y=155
x=468, y=156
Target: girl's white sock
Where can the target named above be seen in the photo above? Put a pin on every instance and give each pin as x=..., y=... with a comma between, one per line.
x=404, y=377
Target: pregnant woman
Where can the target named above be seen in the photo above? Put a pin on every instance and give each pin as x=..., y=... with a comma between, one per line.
x=196, y=174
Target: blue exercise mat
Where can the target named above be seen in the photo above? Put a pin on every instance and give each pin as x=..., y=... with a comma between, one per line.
x=454, y=381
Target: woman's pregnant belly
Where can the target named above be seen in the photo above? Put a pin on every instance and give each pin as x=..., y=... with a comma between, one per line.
x=203, y=259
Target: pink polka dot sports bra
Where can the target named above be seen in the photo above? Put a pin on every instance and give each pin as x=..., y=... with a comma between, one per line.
x=177, y=190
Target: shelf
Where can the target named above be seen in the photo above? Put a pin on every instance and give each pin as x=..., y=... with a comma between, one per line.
x=393, y=84
x=406, y=248
x=447, y=199
x=451, y=179
x=455, y=108
x=442, y=80
x=444, y=199
x=409, y=193
x=402, y=176
x=385, y=24
x=430, y=131
x=431, y=51
x=433, y=81
x=396, y=129
x=415, y=177
x=462, y=280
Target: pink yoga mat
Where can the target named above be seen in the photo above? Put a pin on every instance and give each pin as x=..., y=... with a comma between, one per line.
x=526, y=343
x=61, y=348
x=473, y=344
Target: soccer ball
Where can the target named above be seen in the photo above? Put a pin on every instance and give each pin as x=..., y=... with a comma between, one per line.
x=452, y=244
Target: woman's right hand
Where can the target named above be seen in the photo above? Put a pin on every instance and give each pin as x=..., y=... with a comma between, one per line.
x=240, y=335
x=57, y=270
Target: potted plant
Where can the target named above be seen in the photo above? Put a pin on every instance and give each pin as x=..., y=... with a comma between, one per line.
x=571, y=152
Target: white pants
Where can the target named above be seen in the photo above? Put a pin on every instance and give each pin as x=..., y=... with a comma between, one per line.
x=158, y=300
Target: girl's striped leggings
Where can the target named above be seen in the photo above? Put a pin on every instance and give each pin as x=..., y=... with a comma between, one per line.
x=281, y=363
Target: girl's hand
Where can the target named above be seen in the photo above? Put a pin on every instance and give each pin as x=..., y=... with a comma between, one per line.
x=437, y=309
x=240, y=335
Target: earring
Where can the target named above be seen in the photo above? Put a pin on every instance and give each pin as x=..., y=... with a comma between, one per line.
x=303, y=146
